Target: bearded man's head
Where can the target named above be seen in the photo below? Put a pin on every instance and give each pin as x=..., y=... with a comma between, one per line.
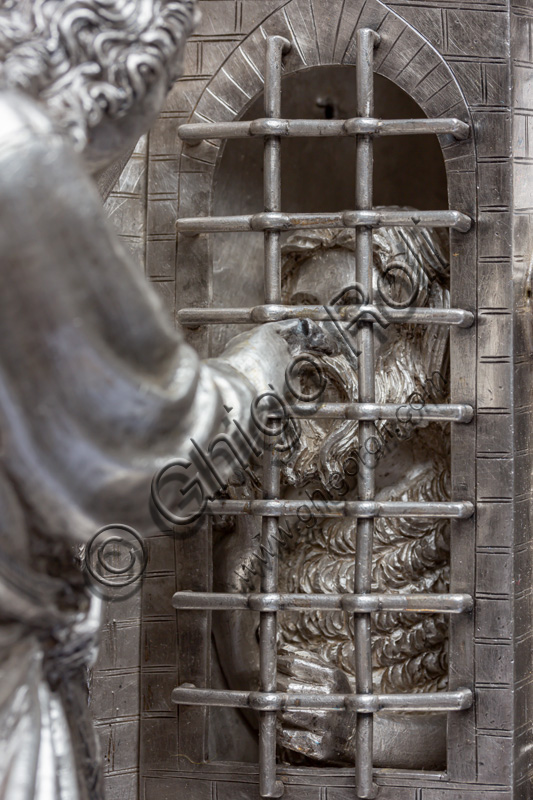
x=318, y=268
x=410, y=555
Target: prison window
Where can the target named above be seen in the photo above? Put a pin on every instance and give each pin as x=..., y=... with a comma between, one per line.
x=363, y=217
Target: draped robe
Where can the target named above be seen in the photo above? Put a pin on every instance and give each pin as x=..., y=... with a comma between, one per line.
x=97, y=392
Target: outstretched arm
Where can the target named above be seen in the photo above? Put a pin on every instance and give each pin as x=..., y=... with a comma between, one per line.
x=96, y=390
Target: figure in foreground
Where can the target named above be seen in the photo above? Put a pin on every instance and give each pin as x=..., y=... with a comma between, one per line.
x=97, y=392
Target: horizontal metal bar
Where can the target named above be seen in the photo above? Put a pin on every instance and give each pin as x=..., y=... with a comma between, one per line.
x=401, y=127
x=351, y=603
x=407, y=219
x=458, y=700
x=362, y=509
x=193, y=317
x=381, y=314
x=196, y=131
x=280, y=221
x=288, y=128
x=407, y=412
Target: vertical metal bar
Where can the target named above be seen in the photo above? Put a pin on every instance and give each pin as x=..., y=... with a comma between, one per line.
x=276, y=46
x=269, y=786
x=366, y=41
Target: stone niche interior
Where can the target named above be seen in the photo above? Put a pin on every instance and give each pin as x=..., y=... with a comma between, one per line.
x=317, y=174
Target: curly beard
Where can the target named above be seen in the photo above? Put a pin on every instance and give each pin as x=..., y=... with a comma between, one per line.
x=412, y=355
x=410, y=555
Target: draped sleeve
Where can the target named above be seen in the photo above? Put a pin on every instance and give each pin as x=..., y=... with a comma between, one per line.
x=97, y=391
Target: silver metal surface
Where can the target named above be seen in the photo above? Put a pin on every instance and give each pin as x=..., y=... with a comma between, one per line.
x=363, y=220
x=445, y=412
x=273, y=313
x=365, y=704
x=361, y=509
x=196, y=132
x=472, y=61
x=351, y=603
x=488, y=47
x=268, y=648
x=269, y=786
x=80, y=82
x=366, y=41
x=274, y=220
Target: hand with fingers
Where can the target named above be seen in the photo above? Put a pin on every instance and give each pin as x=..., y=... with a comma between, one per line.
x=320, y=735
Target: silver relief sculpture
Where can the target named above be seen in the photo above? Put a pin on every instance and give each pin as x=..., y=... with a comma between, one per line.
x=411, y=461
x=343, y=548
x=97, y=391
x=459, y=71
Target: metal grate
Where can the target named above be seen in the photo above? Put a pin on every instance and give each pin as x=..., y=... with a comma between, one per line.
x=362, y=603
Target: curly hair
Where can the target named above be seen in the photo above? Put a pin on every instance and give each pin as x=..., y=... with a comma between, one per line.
x=87, y=59
x=417, y=252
